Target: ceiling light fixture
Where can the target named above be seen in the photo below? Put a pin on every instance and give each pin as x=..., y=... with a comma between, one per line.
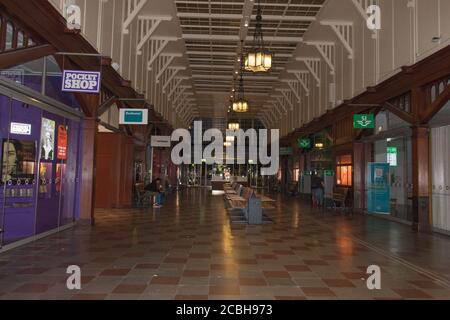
x=233, y=126
x=258, y=59
x=240, y=105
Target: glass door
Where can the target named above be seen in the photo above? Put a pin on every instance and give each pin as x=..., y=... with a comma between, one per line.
x=67, y=169
x=20, y=136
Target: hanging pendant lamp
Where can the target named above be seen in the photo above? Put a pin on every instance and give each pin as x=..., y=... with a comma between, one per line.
x=258, y=59
x=240, y=105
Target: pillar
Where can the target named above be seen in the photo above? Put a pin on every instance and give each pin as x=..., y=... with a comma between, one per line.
x=88, y=171
x=420, y=164
x=359, y=182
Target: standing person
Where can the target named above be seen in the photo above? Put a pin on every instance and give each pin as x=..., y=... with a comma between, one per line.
x=317, y=189
x=155, y=189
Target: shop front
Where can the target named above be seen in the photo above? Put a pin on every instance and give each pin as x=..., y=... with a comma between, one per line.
x=387, y=169
x=40, y=148
x=439, y=161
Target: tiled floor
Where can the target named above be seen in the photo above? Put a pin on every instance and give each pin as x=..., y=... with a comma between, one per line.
x=189, y=250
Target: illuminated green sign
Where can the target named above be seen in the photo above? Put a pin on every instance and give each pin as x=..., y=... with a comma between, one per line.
x=364, y=121
x=304, y=143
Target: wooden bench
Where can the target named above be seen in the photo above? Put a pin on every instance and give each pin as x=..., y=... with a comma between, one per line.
x=239, y=202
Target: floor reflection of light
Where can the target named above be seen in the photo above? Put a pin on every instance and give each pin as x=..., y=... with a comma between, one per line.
x=177, y=209
x=345, y=245
x=135, y=236
x=226, y=240
x=296, y=221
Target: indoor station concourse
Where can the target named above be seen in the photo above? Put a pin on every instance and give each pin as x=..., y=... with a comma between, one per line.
x=225, y=150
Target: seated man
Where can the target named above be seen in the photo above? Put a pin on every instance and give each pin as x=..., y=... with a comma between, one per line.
x=155, y=189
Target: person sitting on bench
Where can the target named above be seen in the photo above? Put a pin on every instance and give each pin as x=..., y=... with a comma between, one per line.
x=155, y=189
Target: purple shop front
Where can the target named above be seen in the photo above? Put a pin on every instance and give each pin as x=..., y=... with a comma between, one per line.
x=40, y=166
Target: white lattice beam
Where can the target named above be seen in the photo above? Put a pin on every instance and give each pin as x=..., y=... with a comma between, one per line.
x=327, y=51
x=302, y=77
x=286, y=94
x=313, y=66
x=147, y=25
x=165, y=62
x=344, y=32
x=157, y=46
x=132, y=9
x=279, y=100
x=295, y=88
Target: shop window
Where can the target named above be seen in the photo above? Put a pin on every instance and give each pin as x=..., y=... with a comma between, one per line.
x=9, y=36
x=20, y=39
x=296, y=175
x=344, y=171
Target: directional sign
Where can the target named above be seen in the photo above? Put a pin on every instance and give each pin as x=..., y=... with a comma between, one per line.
x=392, y=156
x=134, y=116
x=304, y=143
x=364, y=121
x=329, y=173
x=286, y=151
x=160, y=141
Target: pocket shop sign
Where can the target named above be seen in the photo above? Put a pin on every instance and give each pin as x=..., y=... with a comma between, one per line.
x=81, y=81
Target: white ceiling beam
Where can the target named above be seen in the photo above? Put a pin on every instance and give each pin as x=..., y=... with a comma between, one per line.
x=302, y=77
x=166, y=61
x=280, y=103
x=313, y=65
x=227, y=93
x=220, y=53
x=284, y=92
x=344, y=32
x=236, y=38
x=268, y=4
x=293, y=85
x=230, y=77
x=132, y=9
x=147, y=25
x=327, y=51
x=239, y=17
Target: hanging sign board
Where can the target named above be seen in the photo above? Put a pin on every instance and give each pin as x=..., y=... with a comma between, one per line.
x=133, y=116
x=160, y=142
x=81, y=81
x=304, y=143
x=364, y=121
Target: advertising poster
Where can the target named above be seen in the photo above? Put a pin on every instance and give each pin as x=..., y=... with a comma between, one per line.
x=18, y=161
x=45, y=178
x=62, y=143
x=47, y=139
x=378, y=188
